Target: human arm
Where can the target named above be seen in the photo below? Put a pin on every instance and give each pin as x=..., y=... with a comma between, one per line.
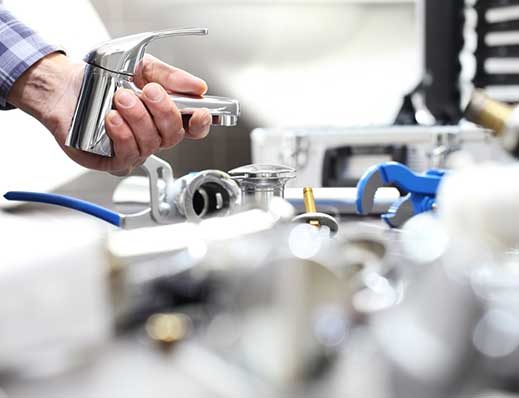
x=138, y=126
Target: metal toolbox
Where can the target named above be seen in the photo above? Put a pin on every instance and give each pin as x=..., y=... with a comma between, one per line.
x=328, y=157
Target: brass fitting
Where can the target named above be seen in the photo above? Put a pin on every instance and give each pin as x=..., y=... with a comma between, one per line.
x=168, y=328
x=308, y=197
x=313, y=217
x=491, y=114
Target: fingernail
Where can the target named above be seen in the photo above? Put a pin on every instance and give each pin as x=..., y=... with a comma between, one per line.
x=206, y=124
x=203, y=83
x=201, y=131
x=126, y=99
x=153, y=92
x=115, y=119
x=208, y=119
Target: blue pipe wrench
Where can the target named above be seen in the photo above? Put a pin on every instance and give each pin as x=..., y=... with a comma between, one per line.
x=420, y=191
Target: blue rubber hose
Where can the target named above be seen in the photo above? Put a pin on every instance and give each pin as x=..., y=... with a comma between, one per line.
x=67, y=201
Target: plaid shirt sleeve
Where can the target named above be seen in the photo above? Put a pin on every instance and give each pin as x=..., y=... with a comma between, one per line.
x=20, y=48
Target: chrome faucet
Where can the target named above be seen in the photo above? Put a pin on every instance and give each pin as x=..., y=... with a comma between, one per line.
x=111, y=66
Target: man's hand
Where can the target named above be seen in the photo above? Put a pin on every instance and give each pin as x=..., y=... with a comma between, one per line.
x=138, y=127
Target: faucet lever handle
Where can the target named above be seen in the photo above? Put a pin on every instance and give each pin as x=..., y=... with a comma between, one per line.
x=122, y=55
x=160, y=34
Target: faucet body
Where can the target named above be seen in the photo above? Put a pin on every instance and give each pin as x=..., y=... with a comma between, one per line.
x=112, y=66
x=87, y=131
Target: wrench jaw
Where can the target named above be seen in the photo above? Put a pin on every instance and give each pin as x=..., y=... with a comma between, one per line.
x=367, y=187
x=401, y=211
x=420, y=191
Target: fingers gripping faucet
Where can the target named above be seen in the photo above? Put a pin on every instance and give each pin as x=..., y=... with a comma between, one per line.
x=111, y=66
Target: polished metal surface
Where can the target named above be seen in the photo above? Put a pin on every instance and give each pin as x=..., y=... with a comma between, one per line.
x=122, y=55
x=87, y=131
x=308, y=149
x=112, y=66
x=206, y=194
x=259, y=183
x=263, y=172
x=225, y=111
x=194, y=197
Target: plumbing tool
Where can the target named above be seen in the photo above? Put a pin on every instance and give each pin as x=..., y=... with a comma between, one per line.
x=313, y=217
x=259, y=183
x=111, y=66
x=420, y=191
x=194, y=197
x=135, y=190
x=501, y=118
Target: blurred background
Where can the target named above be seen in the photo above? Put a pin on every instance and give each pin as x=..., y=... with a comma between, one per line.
x=290, y=63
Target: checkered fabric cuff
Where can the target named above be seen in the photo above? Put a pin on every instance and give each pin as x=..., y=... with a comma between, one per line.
x=20, y=48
